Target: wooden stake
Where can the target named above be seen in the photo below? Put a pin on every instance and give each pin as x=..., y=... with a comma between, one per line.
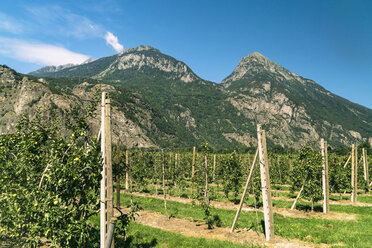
x=103, y=219
x=206, y=180
x=118, y=177
x=325, y=183
x=214, y=167
x=126, y=169
x=164, y=193
x=356, y=173
x=298, y=195
x=244, y=192
x=265, y=183
x=280, y=169
x=192, y=172
x=347, y=161
x=366, y=172
x=108, y=155
x=353, y=172
x=156, y=179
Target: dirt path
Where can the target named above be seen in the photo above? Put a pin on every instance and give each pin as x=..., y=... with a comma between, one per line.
x=200, y=230
x=283, y=211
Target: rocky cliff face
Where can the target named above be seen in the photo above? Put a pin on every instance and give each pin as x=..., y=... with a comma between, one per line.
x=23, y=95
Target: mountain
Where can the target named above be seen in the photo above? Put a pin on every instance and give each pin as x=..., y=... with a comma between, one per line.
x=291, y=106
x=181, y=109
x=51, y=69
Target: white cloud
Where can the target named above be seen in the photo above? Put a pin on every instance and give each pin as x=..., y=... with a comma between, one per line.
x=39, y=53
x=10, y=25
x=113, y=41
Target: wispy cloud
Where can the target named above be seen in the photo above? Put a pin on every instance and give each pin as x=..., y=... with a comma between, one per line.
x=10, y=25
x=39, y=53
x=113, y=41
x=57, y=20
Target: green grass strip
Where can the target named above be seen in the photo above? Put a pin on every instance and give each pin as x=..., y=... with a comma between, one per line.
x=352, y=233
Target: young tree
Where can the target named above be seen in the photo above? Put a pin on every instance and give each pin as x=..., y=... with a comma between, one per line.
x=307, y=171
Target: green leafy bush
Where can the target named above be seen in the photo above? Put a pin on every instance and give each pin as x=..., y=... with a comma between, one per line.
x=49, y=184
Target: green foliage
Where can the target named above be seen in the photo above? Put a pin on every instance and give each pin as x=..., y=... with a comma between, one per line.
x=308, y=171
x=339, y=177
x=230, y=174
x=50, y=183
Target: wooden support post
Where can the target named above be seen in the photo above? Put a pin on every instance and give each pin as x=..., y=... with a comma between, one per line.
x=164, y=192
x=347, y=161
x=214, y=167
x=108, y=161
x=353, y=172
x=103, y=219
x=117, y=176
x=170, y=163
x=244, y=192
x=280, y=169
x=206, y=199
x=325, y=183
x=156, y=179
x=298, y=195
x=356, y=173
x=192, y=171
x=365, y=166
x=126, y=169
x=265, y=183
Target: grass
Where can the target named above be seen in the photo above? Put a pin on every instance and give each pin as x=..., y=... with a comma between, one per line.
x=352, y=233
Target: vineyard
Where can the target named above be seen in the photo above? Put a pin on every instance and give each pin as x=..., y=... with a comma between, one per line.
x=50, y=192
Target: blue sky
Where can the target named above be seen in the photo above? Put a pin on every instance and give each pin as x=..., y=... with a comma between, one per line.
x=327, y=41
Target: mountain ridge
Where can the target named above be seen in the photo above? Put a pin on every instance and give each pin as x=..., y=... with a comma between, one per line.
x=294, y=110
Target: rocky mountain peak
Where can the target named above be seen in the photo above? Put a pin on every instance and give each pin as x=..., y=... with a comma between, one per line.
x=254, y=64
x=148, y=60
x=139, y=49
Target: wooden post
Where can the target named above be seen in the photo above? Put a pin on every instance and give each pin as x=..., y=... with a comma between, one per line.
x=206, y=200
x=265, y=183
x=325, y=183
x=192, y=171
x=347, y=161
x=353, y=190
x=103, y=219
x=279, y=168
x=356, y=174
x=127, y=169
x=156, y=179
x=244, y=193
x=117, y=176
x=108, y=161
x=298, y=195
x=164, y=193
x=365, y=166
x=170, y=163
x=214, y=167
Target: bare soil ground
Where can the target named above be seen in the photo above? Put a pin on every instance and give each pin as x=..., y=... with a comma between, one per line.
x=200, y=230
x=283, y=211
